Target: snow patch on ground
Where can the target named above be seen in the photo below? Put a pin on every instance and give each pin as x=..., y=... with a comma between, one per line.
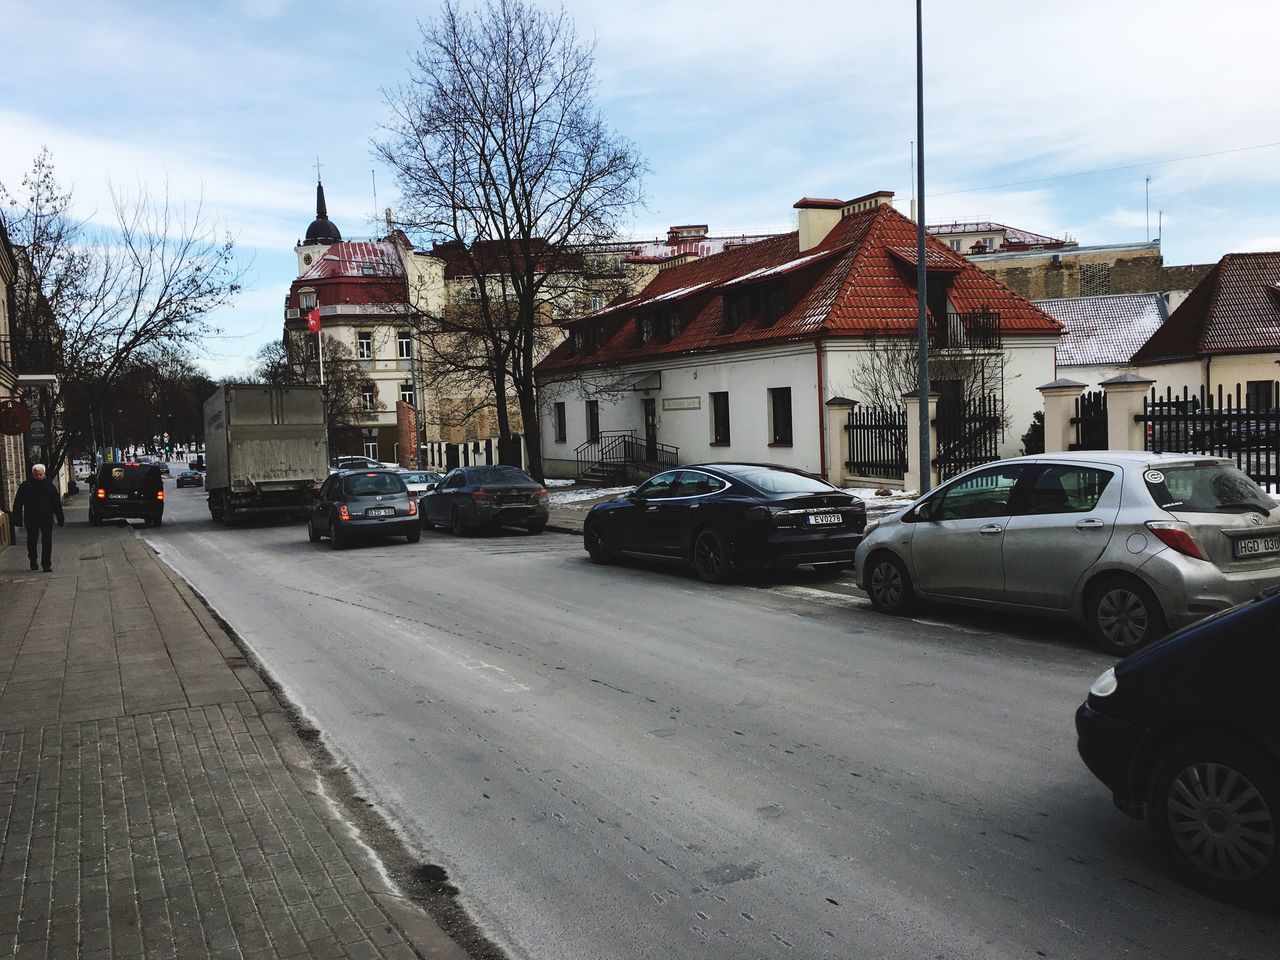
x=879, y=504
x=562, y=497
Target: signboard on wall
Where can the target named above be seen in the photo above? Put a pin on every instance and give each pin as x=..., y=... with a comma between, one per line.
x=681, y=403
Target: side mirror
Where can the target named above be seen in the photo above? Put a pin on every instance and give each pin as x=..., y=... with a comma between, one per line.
x=928, y=510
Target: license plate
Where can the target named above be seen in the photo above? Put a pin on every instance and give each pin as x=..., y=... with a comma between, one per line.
x=514, y=498
x=380, y=512
x=818, y=519
x=117, y=496
x=1257, y=547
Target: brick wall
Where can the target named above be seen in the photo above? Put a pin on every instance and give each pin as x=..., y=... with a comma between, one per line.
x=406, y=434
x=1089, y=274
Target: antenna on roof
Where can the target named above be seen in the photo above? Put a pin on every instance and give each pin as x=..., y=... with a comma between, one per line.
x=373, y=177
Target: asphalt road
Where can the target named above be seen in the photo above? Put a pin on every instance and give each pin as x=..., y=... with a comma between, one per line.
x=625, y=762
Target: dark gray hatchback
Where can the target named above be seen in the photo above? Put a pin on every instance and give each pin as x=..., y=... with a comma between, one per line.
x=363, y=504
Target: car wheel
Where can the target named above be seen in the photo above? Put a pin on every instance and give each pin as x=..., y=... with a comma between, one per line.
x=414, y=535
x=312, y=533
x=157, y=520
x=597, y=543
x=336, y=539
x=889, y=585
x=94, y=519
x=1123, y=616
x=1215, y=808
x=710, y=558
x=457, y=524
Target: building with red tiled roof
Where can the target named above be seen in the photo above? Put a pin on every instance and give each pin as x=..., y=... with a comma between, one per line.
x=737, y=355
x=1225, y=333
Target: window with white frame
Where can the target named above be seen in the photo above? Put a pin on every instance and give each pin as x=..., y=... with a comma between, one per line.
x=559, y=422
x=597, y=301
x=307, y=299
x=404, y=345
x=364, y=345
x=406, y=394
x=371, y=449
x=367, y=398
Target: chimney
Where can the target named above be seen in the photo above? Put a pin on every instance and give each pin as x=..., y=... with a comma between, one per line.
x=817, y=217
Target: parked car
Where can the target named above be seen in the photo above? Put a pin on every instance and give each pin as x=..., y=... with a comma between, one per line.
x=725, y=518
x=1186, y=734
x=127, y=490
x=419, y=480
x=189, y=478
x=471, y=498
x=354, y=463
x=1128, y=543
x=363, y=504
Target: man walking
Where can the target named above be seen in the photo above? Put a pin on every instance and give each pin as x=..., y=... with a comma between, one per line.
x=35, y=506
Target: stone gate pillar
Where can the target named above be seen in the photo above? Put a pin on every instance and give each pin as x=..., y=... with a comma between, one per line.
x=1125, y=394
x=1059, y=407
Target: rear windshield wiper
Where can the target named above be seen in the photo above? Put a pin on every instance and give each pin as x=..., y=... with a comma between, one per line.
x=1245, y=505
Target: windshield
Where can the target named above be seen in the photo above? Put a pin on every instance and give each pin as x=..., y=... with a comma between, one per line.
x=498, y=475
x=1207, y=487
x=782, y=481
x=369, y=484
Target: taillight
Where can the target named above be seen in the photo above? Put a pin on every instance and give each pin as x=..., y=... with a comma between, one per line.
x=343, y=513
x=102, y=493
x=413, y=507
x=1172, y=535
x=483, y=495
x=543, y=495
x=159, y=494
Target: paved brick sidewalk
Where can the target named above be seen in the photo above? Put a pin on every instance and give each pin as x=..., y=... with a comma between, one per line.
x=154, y=800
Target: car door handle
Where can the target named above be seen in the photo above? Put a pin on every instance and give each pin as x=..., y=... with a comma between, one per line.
x=990, y=530
x=1092, y=523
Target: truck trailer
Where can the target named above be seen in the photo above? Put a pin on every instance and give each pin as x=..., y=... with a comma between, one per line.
x=266, y=450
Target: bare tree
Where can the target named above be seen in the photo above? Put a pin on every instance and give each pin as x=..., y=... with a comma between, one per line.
x=497, y=147
x=294, y=359
x=99, y=299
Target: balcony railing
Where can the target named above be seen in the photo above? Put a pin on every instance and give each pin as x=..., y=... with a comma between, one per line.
x=976, y=330
x=27, y=354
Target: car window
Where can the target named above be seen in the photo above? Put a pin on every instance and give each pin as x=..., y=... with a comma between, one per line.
x=784, y=481
x=695, y=483
x=499, y=474
x=455, y=480
x=372, y=484
x=659, y=487
x=1060, y=488
x=984, y=494
x=1208, y=487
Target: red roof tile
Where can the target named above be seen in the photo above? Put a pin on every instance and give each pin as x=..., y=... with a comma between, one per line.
x=355, y=258
x=1233, y=309
x=852, y=284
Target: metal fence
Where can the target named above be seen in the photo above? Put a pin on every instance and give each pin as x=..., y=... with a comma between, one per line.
x=877, y=442
x=968, y=434
x=1090, y=421
x=1243, y=424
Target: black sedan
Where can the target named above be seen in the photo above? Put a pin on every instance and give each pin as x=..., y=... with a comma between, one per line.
x=724, y=518
x=1187, y=735
x=189, y=478
x=363, y=504
x=472, y=498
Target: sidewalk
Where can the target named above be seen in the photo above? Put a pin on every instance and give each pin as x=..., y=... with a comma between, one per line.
x=155, y=801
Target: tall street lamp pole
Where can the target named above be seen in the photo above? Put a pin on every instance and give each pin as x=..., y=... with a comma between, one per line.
x=922, y=303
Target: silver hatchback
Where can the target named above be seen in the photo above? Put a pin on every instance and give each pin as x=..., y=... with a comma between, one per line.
x=1131, y=544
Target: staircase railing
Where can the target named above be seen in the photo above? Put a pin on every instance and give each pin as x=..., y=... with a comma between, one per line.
x=616, y=450
x=588, y=454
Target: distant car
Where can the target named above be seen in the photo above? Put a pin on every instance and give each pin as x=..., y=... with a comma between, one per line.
x=163, y=466
x=127, y=490
x=472, y=498
x=726, y=518
x=1186, y=734
x=1128, y=543
x=190, y=478
x=81, y=471
x=354, y=463
x=196, y=464
x=362, y=505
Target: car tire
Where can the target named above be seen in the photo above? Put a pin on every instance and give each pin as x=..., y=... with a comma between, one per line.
x=457, y=525
x=536, y=527
x=157, y=520
x=596, y=540
x=889, y=585
x=711, y=557
x=1123, y=616
x=1215, y=808
x=94, y=519
x=414, y=535
x=336, y=540
x=312, y=534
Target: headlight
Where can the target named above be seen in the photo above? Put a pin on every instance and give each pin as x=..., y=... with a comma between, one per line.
x=871, y=525
x=1105, y=685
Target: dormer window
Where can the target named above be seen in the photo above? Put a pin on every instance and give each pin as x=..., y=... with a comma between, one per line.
x=672, y=323
x=575, y=342
x=735, y=311
x=647, y=325
x=775, y=304
x=307, y=299
x=595, y=338
x=368, y=270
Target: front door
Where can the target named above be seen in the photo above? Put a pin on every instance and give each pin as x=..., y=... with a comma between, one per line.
x=650, y=428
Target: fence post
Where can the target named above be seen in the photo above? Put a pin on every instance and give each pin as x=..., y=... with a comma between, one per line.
x=1125, y=394
x=837, y=437
x=912, y=402
x=1059, y=407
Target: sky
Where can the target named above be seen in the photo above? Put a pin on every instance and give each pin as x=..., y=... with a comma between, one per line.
x=1042, y=115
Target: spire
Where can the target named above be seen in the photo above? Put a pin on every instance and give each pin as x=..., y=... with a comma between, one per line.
x=322, y=229
x=321, y=212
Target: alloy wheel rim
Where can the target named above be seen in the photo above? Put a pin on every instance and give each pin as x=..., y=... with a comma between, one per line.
x=886, y=584
x=708, y=555
x=1220, y=822
x=1123, y=618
